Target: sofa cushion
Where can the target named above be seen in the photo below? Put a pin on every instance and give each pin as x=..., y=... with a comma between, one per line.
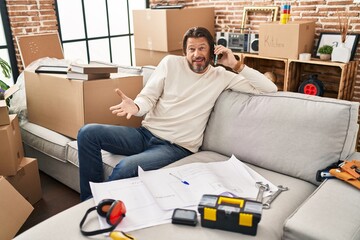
x=44, y=140
x=272, y=220
x=290, y=133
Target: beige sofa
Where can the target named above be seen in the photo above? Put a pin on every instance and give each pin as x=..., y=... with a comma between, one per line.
x=286, y=137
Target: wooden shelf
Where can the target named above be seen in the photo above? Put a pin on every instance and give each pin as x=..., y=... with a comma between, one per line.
x=338, y=78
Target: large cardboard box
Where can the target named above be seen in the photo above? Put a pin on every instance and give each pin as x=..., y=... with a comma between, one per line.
x=64, y=105
x=14, y=210
x=286, y=40
x=27, y=180
x=146, y=57
x=4, y=112
x=163, y=29
x=11, y=148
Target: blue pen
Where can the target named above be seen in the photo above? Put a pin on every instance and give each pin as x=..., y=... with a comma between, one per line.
x=183, y=181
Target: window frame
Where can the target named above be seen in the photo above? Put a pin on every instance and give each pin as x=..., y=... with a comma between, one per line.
x=87, y=39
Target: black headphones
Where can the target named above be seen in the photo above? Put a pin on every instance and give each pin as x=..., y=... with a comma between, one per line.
x=113, y=210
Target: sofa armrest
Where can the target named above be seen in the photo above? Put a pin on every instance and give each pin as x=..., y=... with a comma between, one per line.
x=331, y=212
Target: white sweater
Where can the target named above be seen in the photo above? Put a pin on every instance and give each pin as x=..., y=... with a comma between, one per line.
x=178, y=102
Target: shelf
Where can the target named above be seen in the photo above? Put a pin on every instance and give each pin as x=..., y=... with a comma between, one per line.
x=338, y=78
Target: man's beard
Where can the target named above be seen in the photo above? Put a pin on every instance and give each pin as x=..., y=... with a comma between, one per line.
x=199, y=69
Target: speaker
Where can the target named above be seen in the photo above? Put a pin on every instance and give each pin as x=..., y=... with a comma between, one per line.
x=254, y=43
x=222, y=38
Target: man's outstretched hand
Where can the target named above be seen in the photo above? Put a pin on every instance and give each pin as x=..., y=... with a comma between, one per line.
x=126, y=107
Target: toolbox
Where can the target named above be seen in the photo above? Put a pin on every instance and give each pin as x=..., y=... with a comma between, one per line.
x=230, y=213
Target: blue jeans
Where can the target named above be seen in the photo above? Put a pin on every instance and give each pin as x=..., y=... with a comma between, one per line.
x=139, y=145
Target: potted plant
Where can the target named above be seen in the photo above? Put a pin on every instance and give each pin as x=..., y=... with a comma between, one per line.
x=6, y=70
x=325, y=52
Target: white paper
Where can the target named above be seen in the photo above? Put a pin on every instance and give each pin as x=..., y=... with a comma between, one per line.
x=231, y=176
x=141, y=209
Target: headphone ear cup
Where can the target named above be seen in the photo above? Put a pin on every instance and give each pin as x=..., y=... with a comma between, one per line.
x=104, y=206
x=116, y=213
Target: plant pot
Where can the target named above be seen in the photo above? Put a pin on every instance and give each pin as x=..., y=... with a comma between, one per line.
x=325, y=57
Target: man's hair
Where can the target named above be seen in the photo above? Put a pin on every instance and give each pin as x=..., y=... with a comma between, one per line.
x=198, y=32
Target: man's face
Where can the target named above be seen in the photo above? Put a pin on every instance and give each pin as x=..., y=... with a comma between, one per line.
x=198, y=54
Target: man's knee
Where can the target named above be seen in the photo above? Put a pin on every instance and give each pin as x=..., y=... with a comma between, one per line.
x=86, y=131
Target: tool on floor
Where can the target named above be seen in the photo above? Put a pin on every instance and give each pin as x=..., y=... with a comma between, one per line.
x=262, y=188
x=230, y=213
x=281, y=189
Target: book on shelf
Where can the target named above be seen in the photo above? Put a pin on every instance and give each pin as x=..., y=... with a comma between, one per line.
x=87, y=76
x=94, y=67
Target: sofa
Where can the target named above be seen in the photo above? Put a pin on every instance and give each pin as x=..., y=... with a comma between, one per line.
x=286, y=137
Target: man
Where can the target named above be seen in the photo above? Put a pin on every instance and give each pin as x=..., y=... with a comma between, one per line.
x=177, y=100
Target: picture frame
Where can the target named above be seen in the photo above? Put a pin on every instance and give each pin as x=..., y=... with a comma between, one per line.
x=271, y=10
x=334, y=39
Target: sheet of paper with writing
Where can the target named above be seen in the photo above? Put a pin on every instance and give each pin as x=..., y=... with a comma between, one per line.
x=184, y=186
x=141, y=209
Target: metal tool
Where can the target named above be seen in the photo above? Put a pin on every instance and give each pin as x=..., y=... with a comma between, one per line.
x=262, y=188
x=272, y=198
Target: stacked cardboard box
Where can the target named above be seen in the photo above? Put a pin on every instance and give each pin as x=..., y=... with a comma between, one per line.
x=19, y=176
x=64, y=105
x=159, y=32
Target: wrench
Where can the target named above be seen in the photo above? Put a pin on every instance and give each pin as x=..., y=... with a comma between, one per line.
x=272, y=198
x=262, y=188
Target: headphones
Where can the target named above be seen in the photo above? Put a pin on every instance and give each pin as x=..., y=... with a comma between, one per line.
x=114, y=212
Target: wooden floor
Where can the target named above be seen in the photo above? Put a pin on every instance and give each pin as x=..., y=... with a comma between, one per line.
x=56, y=198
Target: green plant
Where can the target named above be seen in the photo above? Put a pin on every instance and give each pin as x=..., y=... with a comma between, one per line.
x=326, y=49
x=6, y=70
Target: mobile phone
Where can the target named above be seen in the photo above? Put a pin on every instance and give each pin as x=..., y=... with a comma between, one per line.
x=184, y=216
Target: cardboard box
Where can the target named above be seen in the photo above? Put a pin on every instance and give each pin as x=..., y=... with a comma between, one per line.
x=27, y=180
x=4, y=112
x=163, y=29
x=146, y=57
x=64, y=105
x=11, y=148
x=286, y=40
x=14, y=210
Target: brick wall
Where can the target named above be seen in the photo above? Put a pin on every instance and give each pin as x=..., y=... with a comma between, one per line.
x=30, y=17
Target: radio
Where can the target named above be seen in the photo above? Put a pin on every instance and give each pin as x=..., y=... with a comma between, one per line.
x=239, y=42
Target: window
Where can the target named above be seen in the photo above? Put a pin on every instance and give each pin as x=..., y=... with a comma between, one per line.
x=7, y=52
x=98, y=29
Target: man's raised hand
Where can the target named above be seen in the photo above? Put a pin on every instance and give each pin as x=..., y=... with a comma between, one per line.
x=126, y=107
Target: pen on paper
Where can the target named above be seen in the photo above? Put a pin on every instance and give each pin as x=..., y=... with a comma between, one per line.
x=181, y=180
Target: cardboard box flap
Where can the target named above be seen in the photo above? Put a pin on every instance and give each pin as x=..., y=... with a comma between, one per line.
x=13, y=89
x=14, y=210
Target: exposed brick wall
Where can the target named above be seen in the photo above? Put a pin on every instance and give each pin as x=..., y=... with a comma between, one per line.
x=30, y=17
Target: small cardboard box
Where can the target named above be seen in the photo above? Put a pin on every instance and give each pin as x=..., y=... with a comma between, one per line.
x=64, y=105
x=4, y=112
x=163, y=29
x=286, y=40
x=27, y=180
x=14, y=210
x=146, y=57
x=11, y=148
